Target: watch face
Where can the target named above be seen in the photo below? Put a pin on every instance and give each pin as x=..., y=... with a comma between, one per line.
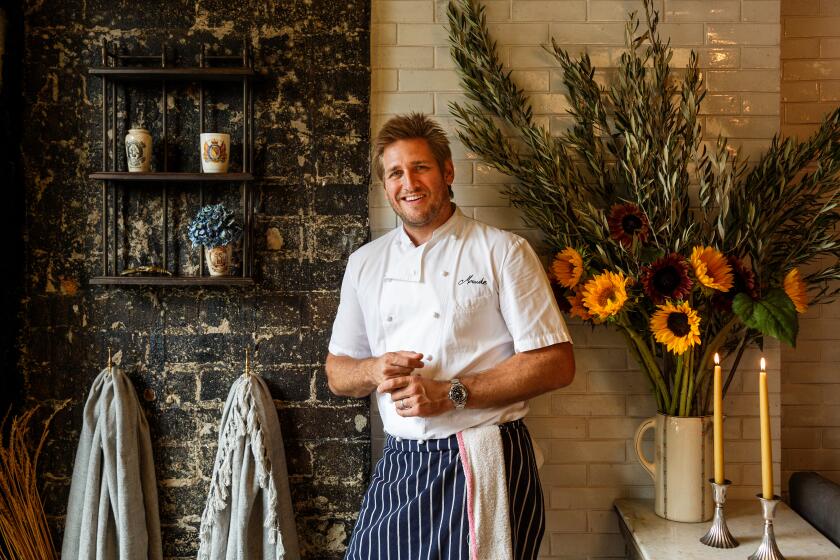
x=458, y=394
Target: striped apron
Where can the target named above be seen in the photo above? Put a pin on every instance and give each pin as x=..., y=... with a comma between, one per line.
x=416, y=505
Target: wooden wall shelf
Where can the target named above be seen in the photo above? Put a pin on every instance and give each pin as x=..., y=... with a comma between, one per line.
x=118, y=68
x=171, y=177
x=171, y=281
x=173, y=74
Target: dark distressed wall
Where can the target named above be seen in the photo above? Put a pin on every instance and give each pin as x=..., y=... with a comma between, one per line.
x=183, y=347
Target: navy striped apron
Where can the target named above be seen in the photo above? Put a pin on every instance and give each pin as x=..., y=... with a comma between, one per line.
x=416, y=508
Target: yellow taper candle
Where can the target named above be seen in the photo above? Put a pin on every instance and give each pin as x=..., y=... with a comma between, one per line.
x=718, y=422
x=766, y=441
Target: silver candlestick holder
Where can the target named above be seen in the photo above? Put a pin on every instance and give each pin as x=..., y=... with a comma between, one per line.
x=768, y=550
x=719, y=535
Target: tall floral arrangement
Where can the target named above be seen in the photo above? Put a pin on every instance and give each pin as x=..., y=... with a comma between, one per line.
x=685, y=249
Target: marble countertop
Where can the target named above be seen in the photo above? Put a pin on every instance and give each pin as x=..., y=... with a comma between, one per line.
x=659, y=539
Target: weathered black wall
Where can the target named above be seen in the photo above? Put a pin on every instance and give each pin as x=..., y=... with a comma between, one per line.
x=183, y=347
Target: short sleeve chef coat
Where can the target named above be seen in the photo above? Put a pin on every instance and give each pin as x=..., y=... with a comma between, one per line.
x=467, y=299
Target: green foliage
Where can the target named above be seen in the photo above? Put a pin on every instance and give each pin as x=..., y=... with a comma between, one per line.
x=774, y=315
x=639, y=140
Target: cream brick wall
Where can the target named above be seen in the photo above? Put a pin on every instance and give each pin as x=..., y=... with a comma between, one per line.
x=811, y=372
x=586, y=429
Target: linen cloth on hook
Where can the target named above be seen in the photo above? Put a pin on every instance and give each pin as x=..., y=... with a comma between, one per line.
x=112, y=513
x=248, y=515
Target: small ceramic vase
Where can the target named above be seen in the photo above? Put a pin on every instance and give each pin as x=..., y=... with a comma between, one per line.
x=219, y=259
x=138, y=150
x=215, y=152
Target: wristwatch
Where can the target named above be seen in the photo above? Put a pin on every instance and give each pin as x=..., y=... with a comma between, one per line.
x=458, y=393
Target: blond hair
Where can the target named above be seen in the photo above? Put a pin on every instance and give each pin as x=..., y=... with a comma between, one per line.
x=408, y=127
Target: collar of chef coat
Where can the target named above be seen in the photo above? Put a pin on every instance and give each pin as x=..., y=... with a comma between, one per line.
x=409, y=265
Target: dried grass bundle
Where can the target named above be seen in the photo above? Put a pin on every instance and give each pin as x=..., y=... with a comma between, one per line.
x=23, y=523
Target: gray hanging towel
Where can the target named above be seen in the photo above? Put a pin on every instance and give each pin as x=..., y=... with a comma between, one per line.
x=112, y=513
x=249, y=515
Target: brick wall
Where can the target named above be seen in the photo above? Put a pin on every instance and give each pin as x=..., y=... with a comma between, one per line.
x=586, y=429
x=183, y=347
x=810, y=373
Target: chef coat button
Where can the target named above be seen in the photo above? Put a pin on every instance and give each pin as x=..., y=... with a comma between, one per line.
x=445, y=273
x=390, y=318
x=429, y=358
x=414, y=272
x=435, y=314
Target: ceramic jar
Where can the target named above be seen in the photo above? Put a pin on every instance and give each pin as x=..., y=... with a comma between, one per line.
x=681, y=467
x=219, y=259
x=215, y=152
x=138, y=150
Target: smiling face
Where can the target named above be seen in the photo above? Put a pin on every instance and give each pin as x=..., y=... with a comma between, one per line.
x=417, y=187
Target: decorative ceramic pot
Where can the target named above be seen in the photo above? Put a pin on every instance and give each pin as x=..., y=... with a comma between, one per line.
x=682, y=466
x=219, y=259
x=138, y=150
x=215, y=152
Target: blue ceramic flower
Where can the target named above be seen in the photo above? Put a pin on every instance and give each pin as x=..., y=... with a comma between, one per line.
x=214, y=226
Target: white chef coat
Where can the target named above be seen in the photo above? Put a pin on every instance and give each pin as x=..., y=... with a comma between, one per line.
x=467, y=299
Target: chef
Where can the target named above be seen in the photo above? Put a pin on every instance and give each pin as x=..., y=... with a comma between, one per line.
x=454, y=325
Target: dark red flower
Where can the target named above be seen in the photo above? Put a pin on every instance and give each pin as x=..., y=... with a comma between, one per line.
x=743, y=281
x=560, y=296
x=666, y=278
x=627, y=221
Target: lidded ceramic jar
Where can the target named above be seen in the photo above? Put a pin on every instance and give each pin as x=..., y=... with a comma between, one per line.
x=138, y=150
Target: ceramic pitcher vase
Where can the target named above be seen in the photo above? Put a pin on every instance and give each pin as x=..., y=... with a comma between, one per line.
x=681, y=467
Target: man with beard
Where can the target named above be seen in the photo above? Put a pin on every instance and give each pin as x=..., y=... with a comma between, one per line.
x=454, y=324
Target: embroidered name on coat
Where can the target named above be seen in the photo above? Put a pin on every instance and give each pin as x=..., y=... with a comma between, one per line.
x=470, y=280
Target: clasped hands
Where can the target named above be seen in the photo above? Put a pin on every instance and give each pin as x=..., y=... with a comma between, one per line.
x=412, y=394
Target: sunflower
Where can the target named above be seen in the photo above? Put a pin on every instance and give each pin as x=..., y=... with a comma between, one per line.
x=667, y=278
x=796, y=290
x=711, y=268
x=743, y=282
x=577, y=308
x=567, y=267
x=604, y=295
x=627, y=221
x=677, y=326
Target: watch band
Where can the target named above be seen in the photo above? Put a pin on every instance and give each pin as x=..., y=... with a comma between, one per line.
x=458, y=393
